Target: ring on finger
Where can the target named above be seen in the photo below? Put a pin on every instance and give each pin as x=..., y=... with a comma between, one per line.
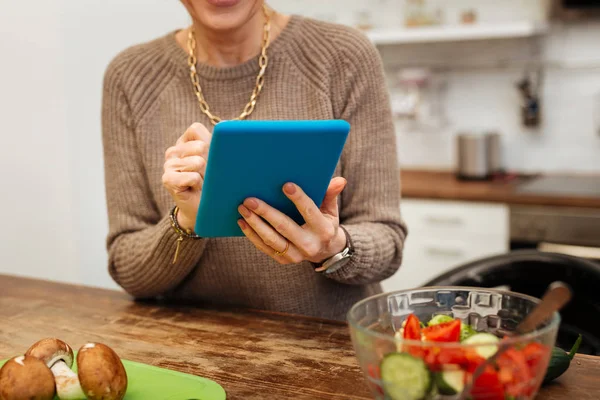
x=281, y=253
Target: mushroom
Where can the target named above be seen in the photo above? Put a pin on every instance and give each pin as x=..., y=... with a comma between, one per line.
x=58, y=356
x=26, y=378
x=101, y=372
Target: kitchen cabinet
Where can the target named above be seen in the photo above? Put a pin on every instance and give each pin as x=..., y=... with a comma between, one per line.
x=443, y=234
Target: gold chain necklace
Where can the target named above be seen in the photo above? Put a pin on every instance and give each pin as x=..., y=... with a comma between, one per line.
x=260, y=78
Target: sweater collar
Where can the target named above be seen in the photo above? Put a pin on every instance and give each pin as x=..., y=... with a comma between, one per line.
x=179, y=56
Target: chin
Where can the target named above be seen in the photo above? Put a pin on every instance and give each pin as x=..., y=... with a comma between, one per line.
x=222, y=15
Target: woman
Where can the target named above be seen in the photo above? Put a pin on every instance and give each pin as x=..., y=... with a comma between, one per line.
x=160, y=102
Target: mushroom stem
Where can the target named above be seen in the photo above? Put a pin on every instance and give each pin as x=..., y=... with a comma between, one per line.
x=67, y=382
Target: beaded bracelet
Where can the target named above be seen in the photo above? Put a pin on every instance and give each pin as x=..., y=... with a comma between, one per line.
x=188, y=233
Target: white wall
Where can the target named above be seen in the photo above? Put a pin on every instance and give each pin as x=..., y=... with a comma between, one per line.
x=485, y=98
x=480, y=96
x=37, y=225
x=94, y=32
x=54, y=53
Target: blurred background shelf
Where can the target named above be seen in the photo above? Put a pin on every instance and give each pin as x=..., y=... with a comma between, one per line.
x=457, y=33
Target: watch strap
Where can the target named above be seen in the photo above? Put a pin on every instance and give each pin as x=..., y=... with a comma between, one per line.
x=344, y=254
x=348, y=239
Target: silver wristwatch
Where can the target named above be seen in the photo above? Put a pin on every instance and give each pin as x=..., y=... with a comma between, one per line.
x=338, y=260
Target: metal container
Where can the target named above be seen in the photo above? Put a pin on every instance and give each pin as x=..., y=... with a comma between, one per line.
x=478, y=155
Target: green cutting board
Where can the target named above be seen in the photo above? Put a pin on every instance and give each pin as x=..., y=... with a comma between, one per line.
x=146, y=382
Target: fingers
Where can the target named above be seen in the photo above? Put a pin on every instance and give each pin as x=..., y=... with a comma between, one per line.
x=194, y=142
x=275, y=229
x=257, y=241
x=270, y=237
x=196, y=131
x=178, y=182
x=307, y=208
x=283, y=224
x=184, y=167
x=270, y=230
x=187, y=164
x=330, y=204
x=194, y=148
x=290, y=257
x=182, y=174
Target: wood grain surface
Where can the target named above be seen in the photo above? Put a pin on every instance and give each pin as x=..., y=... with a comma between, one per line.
x=443, y=185
x=580, y=382
x=252, y=354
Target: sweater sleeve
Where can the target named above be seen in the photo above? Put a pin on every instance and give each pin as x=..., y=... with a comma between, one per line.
x=141, y=243
x=370, y=204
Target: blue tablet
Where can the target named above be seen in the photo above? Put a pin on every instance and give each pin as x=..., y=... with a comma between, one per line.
x=256, y=158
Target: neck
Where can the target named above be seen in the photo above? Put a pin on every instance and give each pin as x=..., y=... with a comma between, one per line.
x=232, y=48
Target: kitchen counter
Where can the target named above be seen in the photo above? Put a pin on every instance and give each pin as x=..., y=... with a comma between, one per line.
x=443, y=185
x=252, y=354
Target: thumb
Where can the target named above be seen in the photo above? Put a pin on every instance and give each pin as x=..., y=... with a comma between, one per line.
x=330, y=205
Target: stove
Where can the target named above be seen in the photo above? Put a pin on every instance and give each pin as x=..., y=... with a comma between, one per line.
x=574, y=230
x=567, y=186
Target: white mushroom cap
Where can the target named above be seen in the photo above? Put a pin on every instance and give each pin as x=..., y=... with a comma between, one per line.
x=50, y=351
x=101, y=373
x=26, y=377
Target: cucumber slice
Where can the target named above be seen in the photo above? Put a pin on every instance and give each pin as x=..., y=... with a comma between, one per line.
x=450, y=382
x=484, y=338
x=405, y=377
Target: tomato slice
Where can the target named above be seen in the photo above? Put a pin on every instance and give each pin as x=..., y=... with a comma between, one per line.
x=412, y=328
x=445, y=332
x=452, y=356
x=375, y=375
x=488, y=386
x=534, y=354
x=412, y=331
x=473, y=359
x=436, y=358
x=514, y=373
x=430, y=356
x=373, y=371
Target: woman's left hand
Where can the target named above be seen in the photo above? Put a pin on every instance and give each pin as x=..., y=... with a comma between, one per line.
x=278, y=236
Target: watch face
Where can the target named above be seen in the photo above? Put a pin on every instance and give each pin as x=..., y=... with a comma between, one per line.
x=338, y=265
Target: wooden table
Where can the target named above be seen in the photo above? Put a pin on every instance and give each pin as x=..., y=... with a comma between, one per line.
x=252, y=354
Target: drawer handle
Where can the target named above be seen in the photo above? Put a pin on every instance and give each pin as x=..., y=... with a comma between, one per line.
x=436, y=251
x=444, y=220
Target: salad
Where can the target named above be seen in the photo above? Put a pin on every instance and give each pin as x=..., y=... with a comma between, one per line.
x=415, y=372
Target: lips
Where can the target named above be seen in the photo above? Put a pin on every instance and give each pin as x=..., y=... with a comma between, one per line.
x=223, y=3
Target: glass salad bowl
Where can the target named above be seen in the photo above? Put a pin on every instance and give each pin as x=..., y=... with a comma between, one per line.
x=426, y=343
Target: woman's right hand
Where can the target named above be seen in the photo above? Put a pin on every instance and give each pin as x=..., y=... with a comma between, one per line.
x=185, y=164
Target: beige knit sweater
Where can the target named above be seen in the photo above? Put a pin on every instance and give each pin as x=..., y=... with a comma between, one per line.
x=316, y=71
